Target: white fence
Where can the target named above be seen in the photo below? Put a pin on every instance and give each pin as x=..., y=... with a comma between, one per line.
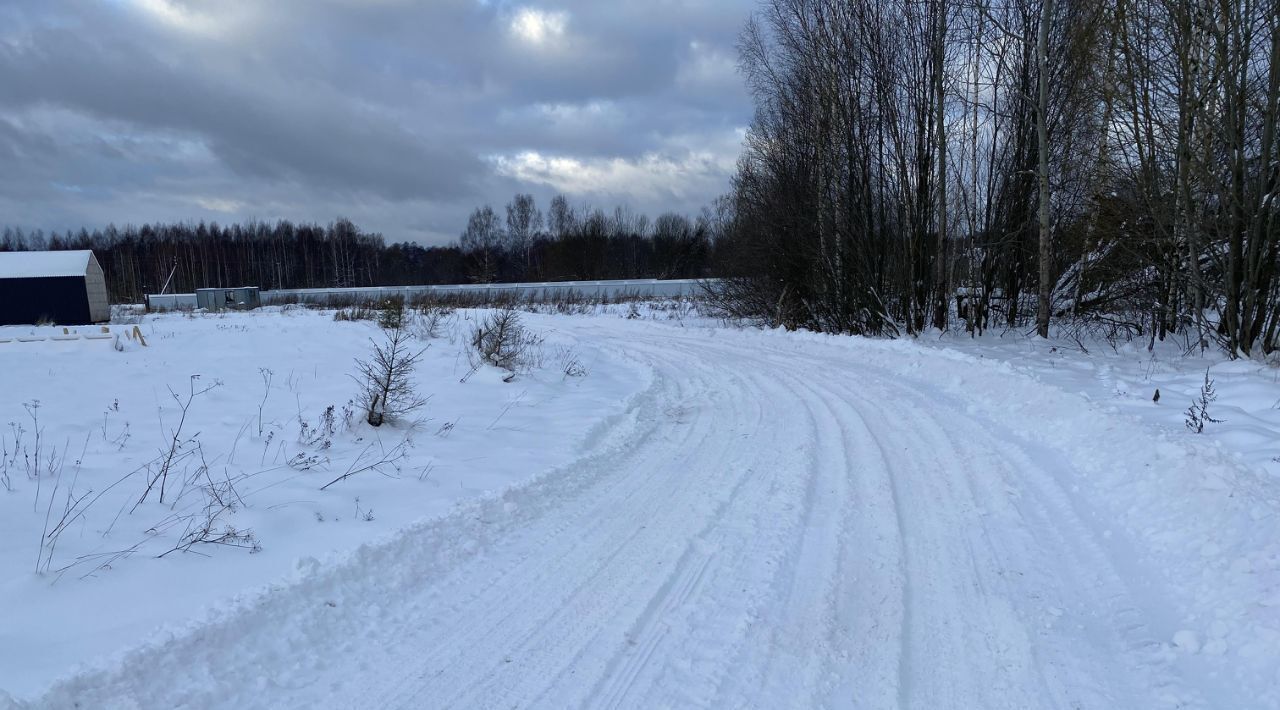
x=545, y=291
x=170, y=301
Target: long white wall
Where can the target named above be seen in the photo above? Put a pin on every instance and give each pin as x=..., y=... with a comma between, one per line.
x=645, y=288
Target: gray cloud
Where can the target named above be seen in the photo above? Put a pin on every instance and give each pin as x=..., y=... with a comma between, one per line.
x=402, y=115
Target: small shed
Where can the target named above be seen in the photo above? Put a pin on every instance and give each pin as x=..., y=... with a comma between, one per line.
x=239, y=298
x=61, y=287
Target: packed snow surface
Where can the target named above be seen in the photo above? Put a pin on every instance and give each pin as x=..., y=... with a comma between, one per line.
x=712, y=517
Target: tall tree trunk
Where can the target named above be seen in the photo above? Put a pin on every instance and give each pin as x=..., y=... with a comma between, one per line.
x=940, y=252
x=1042, y=170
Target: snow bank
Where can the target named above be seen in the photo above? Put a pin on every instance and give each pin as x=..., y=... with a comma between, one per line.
x=105, y=413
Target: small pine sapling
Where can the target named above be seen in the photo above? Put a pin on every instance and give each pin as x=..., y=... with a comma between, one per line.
x=501, y=340
x=391, y=316
x=386, y=378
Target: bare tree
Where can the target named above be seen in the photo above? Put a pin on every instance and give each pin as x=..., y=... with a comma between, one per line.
x=483, y=239
x=524, y=221
x=1045, y=293
x=560, y=219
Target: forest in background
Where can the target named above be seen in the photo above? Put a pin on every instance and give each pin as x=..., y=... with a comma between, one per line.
x=1101, y=165
x=520, y=245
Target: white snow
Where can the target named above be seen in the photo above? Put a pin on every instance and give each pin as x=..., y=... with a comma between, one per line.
x=1126, y=376
x=711, y=518
x=1187, y=640
x=104, y=408
x=43, y=264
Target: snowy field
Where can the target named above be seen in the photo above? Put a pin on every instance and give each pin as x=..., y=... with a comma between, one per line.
x=107, y=419
x=697, y=516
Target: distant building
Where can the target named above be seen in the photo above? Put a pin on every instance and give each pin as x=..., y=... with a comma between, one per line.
x=60, y=287
x=240, y=298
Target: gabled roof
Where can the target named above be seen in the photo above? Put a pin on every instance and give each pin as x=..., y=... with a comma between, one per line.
x=43, y=264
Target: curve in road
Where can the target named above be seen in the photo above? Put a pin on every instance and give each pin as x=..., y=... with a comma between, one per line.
x=771, y=527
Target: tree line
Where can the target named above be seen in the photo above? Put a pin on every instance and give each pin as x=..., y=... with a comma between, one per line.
x=1103, y=164
x=524, y=244
x=1090, y=165
x=569, y=244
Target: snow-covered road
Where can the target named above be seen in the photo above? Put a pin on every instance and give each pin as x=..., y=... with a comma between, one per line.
x=769, y=526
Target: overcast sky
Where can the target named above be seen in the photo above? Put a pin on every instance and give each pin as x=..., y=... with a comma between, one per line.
x=399, y=114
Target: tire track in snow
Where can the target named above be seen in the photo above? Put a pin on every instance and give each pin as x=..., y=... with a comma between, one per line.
x=538, y=573
x=594, y=591
x=1066, y=676
x=784, y=527
x=782, y=538
x=815, y=665
x=741, y=545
